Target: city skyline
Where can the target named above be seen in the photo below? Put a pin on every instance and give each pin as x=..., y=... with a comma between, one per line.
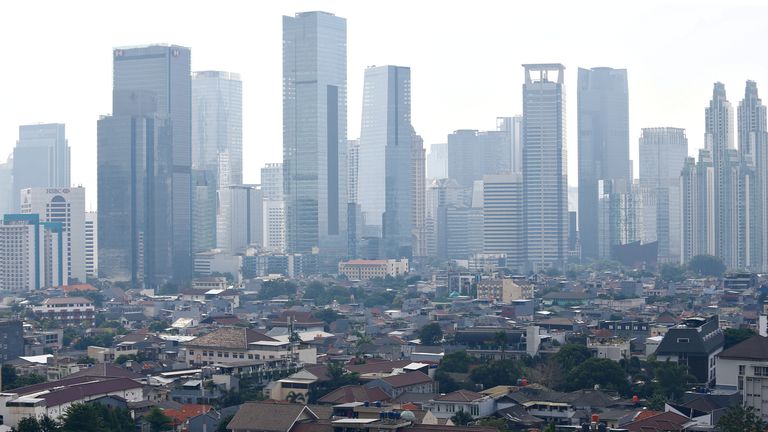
x=47, y=97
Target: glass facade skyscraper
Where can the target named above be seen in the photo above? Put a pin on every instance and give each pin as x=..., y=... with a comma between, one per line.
x=144, y=172
x=545, y=170
x=385, y=190
x=603, y=123
x=315, y=132
x=41, y=159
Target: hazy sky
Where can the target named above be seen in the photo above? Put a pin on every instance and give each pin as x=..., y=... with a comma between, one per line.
x=465, y=58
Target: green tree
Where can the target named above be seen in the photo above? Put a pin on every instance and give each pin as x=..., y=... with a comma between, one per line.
x=294, y=397
x=741, y=419
x=500, y=372
x=81, y=417
x=222, y=427
x=327, y=315
x=456, y=362
x=571, y=355
x=157, y=420
x=158, y=326
x=707, y=265
x=445, y=382
x=28, y=424
x=9, y=376
x=672, y=379
x=461, y=418
x=431, y=334
x=501, y=341
x=315, y=290
x=598, y=371
x=672, y=273
x=735, y=336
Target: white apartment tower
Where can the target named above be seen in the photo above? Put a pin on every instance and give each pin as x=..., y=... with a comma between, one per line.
x=91, y=244
x=65, y=206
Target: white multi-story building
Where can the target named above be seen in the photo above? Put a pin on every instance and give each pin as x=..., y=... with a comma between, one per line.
x=369, y=269
x=31, y=253
x=273, y=236
x=91, y=244
x=745, y=367
x=243, y=226
x=66, y=206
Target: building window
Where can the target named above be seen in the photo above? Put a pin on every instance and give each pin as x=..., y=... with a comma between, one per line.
x=683, y=340
x=761, y=371
x=742, y=369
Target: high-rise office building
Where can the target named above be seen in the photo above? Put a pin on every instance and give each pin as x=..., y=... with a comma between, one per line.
x=204, y=205
x=437, y=161
x=274, y=207
x=32, y=253
x=65, y=206
x=419, y=186
x=473, y=154
x=144, y=173
x=7, y=199
x=603, y=123
x=353, y=166
x=41, y=159
x=217, y=149
x=545, y=170
x=385, y=192
x=91, y=244
x=217, y=125
x=663, y=153
x=440, y=193
x=314, y=133
x=753, y=147
x=245, y=218
x=617, y=216
x=503, y=218
x=719, y=139
x=513, y=130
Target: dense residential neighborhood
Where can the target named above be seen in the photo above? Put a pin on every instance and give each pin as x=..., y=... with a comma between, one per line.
x=417, y=352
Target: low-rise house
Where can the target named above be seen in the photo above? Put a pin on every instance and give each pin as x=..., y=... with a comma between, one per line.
x=53, y=398
x=664, y=422
x=228, y=345
x=67, y=311
x=270, y=417
x=413, y=382
x=475, y=404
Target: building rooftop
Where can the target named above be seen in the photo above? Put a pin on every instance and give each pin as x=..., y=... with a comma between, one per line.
x=230, y=337
x=754, y=348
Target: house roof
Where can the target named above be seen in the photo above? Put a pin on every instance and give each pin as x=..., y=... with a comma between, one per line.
x=269, y=416
x=460, y=396
x=377, y=366
x=66, y=300
x=754, y=348
x=78, y=287
x=664, y=422
x=107, y=370
x=353, y=393
x=84, y=391
x=187, y=411
x=230, y=337
x=407, y=379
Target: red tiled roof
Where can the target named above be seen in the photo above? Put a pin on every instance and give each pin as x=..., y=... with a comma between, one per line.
x=353, y=393
x=186, y=411
x=87, y=390
x=664, y=422
x=78, y=287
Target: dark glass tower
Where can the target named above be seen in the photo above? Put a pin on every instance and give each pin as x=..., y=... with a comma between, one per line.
x=145, y=168
x=315, y=132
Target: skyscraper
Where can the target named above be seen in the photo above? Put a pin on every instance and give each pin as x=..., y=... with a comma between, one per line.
x=385, y=191
x=503, y=226
x=753, y=147
x=473, y=154
x=603, y=123
x=7, y=199
x=513, y=129
x=663, y=153
x=437, y=161
x=91, y=245
x=274, y=207
x=245, y=218
x=204, y=203
x=545, y=170
x=697, y=189
x=418, y=184
x=719, y=141
x=65, y=206
x=145, y=168
x=217, y=148
x=32, y=253
x=41, y=159
x=314, y=132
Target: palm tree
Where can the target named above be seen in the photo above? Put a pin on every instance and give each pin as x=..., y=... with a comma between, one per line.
x=294, y=397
